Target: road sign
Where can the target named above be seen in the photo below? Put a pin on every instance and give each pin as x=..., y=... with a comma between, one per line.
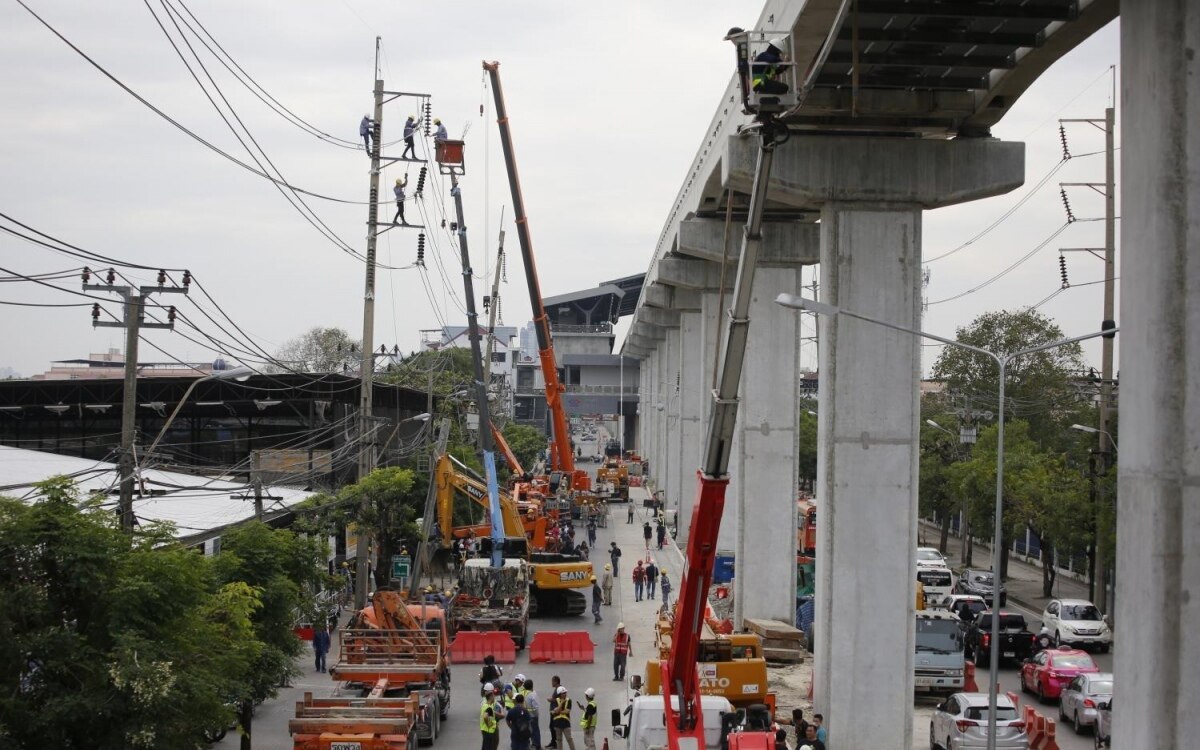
x=401, y=565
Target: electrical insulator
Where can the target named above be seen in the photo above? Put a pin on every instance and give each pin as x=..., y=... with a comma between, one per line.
x=1062, y=137
x=1066, y=205
x=395, y=349
x=1062, y=269
x=162, y=277
x=487, y=302
x=111, y=277
x=382, y=349
x=428, y=118
x=87, y=274
x=443, y=223
x=187, y=278
x=96, y=312
x=421, y=249
x=171, y=314
x=421, y=181
x=354, y=348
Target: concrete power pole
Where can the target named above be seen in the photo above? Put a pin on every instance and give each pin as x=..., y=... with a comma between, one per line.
x=1106, y=357
x=366, y=456
x=133, y=321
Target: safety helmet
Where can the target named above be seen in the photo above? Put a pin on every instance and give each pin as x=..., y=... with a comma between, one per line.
x=589, y=693
x=779, y=43
x=620, y=626
x=398, y=182
x=562, y=690
x=608, y=566
x=508, y=687
x=519, y=678
x=488, y=687
x=593, y=579
x=436, y=121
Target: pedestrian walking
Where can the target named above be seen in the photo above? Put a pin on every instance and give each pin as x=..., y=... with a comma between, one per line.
x=365, y=129
x=589, y=719
x=320, y=641
x=561, y=720
x=410, y=127
x=552, y=701
x=440, y=135
x=651, y=578
x=606, y=584
x=489, y=726
x=639, y=581
x=647, y=533
x=622, y=647
x=661, y=531
x=614, y=553
x=533, y=704
x=520, y=724
x=399, y=192
x=629, y=516
x=597, y=599
x=665, y=584
x=591, y=532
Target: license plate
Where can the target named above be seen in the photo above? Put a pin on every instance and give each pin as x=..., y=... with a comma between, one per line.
x=1009, y=654
x=924, y=681
x=345, y=746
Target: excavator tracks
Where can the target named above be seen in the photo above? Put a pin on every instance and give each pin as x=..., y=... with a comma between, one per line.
x=557, y=603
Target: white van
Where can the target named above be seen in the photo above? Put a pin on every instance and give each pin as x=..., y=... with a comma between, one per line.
x=647, y=728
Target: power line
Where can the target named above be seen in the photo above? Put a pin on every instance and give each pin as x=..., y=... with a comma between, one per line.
x=1005, y=272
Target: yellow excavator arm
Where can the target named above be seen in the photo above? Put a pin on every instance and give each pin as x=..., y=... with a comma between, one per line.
x=452, y=482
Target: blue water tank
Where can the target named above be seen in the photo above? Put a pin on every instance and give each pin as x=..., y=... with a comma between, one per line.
x=723, y=569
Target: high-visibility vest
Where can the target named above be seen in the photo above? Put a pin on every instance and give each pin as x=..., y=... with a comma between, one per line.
x=562, y=709
x=588, y=722
x=487, y=723
x=621, y=643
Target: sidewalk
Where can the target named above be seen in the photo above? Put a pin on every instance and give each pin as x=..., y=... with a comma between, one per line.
x=1024, y=580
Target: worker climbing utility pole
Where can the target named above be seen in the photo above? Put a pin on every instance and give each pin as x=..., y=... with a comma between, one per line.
x=366, y=454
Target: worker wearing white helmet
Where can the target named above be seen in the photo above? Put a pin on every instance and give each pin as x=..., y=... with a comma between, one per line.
x=560, y=719
x=489, y=724
x=589, y=719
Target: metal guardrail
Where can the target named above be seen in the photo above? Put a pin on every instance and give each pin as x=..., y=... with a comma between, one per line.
x=374, y=649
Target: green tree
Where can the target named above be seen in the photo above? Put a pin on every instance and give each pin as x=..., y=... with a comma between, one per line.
x=111, y=641
x=526, y=442
x=285, y=570
x=319, y=350
x=807, y=451
x=1039, y=388
x=939, y=451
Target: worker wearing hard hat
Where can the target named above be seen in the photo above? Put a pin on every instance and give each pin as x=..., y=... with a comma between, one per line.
x=589, y=719
x=399, y=191
x=410, y=127
x=560, y=719
x=439, y=134
x=766, y=69
x=489, y=726
x=606, y=583
x=622, y=646
x=365, y=129
x=597, y=598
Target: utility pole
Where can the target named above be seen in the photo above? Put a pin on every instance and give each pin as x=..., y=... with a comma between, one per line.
x=493, y=305
x=256, y=480
x=133, y=321
x=366, y=455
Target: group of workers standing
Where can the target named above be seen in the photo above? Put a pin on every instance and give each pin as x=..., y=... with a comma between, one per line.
x=518, y=705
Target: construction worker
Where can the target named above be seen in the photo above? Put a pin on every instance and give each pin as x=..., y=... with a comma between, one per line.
x=589, y=719
x=629, y=513
x=320, y=644
x=410, y=127
x=555, y=684
x=639, y=581
x=665, y=584
x=399, y=191
x=561, y=719
x=489, y=727
x=661, y=531
x=520, y=724
x=533, y=704
x=606, y=584
x=622, y=647
x=766, y=68
x=614, y=553
x=365, y=129
x=647, y=533
x=651, y=578
x=597, y=598
x=440, y=135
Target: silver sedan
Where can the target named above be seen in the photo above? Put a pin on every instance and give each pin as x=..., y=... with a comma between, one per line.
x=1081, y=697
x=961, y=722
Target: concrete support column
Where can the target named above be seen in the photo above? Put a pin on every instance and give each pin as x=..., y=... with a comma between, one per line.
x=764, y=466
x=1158, y=508
x=691, y=428
x=671, y=437
x=651, y=415
x=867, y=474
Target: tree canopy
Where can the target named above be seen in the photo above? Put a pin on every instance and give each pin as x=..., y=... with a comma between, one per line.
x=319, y=350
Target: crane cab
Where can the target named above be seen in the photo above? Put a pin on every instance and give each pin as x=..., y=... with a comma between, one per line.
x=767, y=75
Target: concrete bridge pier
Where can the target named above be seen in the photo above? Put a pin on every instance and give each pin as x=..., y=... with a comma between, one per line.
x=871, y=192
x=1158, y=514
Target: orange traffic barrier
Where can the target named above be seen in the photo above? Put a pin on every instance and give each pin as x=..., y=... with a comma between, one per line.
x=1048, y=742
x=969, y=684
x=559, y=647
x=469, y=647
x=1036, y=731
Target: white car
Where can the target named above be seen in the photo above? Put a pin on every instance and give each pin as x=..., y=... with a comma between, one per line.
x=961, y=722
x=1077, y=622
x=930, y=557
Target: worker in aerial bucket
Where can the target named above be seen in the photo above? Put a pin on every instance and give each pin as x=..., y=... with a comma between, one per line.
x=767, y=68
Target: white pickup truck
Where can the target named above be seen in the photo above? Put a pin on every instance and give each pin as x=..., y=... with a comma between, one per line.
x=647, y=729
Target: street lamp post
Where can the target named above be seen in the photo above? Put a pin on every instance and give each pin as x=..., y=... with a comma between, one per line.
x=239, y=374
x=1002, y=361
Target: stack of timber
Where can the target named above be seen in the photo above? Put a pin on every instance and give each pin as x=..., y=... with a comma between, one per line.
x=782, y=643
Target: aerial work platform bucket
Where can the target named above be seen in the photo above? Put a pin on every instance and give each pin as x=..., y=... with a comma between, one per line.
x=449, y=156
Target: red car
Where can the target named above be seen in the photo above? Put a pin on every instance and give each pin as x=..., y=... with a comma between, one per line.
x=1049, y=671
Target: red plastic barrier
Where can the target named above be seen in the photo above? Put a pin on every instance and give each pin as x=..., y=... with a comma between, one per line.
x=1036, y=729
x=570, y=646
x=1016, y=700
x=969, y=684
x=1048, y=740
x=469, y=647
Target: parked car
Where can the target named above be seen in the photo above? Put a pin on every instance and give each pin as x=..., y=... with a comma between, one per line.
x=1048, y=672
x=966, y=606
x=1077, y=622
x=1081, y=697
x=1016, y=642
x=979, y=582
x=961, y=722
x=1102, y=733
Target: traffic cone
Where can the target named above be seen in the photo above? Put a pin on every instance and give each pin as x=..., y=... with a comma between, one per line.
x=605, y=747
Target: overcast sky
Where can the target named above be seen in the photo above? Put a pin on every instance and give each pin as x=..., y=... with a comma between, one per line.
x=608, y=104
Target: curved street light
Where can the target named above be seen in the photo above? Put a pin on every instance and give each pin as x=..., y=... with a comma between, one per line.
x=238, y=374
x=1002, y=361
x=1096, y=430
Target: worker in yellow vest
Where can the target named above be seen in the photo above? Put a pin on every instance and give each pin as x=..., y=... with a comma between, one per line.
x=489, y=727
x=589, y=719
x=560, y=719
